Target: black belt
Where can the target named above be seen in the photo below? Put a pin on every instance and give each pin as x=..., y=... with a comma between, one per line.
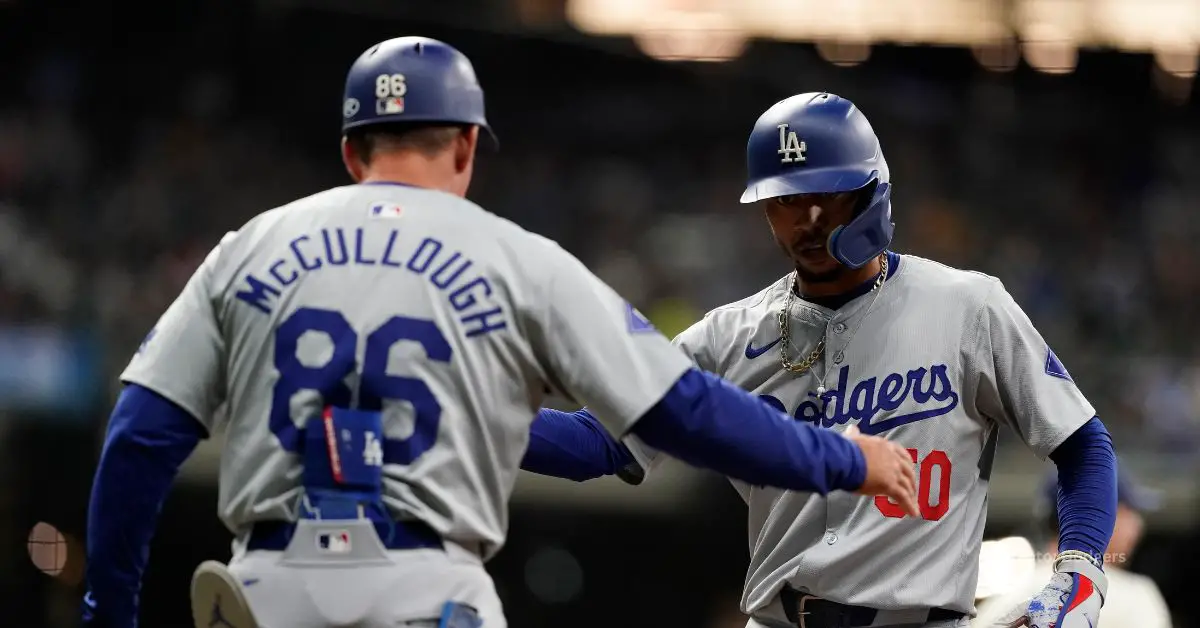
x=395, y=535
x=822, y=613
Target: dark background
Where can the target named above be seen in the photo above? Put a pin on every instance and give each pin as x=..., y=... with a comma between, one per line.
x=133, y=136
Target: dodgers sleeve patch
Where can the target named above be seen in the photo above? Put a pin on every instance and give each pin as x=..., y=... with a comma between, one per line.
x=1054, y=366
x=637, y=322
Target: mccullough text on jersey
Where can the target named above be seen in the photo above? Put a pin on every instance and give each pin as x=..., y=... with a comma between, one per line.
x=469, y=294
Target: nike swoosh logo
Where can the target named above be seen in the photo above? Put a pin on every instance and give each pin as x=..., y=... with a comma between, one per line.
x=753, y=352
x=249, y=581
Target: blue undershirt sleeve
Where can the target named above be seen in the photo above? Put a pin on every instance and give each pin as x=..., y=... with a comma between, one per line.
x=1087, y=489
x=573, y=446
x=148, y=439
x=708, y=422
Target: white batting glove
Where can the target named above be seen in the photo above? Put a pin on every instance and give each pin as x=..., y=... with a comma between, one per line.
x=1071, y=600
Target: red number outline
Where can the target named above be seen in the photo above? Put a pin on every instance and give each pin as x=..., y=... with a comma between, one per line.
x=929, y=512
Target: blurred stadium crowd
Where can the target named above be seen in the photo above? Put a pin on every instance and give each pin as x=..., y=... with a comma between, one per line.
x=1078, y=196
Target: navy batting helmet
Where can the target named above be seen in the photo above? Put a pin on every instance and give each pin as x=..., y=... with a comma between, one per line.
x=820, y=143
x=412, y=79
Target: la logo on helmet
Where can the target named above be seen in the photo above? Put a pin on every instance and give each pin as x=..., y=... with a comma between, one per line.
x=790, y=146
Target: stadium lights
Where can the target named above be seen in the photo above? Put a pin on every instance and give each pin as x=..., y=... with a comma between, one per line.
x=1179, y=61
x=1000, y=56
x=1052, y=31
x=1146, y=25
x=690, y=45
x=1175, y=72
x=1173, y=88
x=690, y=36
x=843, y=53
x=1049, y=49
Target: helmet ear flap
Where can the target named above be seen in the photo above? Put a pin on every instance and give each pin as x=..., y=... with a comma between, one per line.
x=865, y=195
x=868, y=234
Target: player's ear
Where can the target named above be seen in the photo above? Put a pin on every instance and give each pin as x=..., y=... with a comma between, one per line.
x=350, y=159
x=464, y=149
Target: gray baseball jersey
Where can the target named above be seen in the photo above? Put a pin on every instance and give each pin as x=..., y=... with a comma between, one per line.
x=455, y=322
x=937, y=363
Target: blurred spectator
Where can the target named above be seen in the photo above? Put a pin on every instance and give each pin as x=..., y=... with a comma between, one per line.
x=1132, y=599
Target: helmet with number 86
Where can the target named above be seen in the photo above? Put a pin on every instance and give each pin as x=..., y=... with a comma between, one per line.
x=415, y=80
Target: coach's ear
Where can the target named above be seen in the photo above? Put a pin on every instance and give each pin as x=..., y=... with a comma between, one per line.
x=354, y=164
x=465, y=145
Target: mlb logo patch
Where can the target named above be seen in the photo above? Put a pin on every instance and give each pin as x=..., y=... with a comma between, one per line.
x=385, y=210
x=335, y=542
x=389, y=105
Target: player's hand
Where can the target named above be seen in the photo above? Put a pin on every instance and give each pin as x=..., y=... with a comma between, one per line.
x=1071, y=600
x=890, y=470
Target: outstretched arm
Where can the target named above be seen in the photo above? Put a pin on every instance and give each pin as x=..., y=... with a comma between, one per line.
x=572, y=446
x=704, y=421
x=595, y=348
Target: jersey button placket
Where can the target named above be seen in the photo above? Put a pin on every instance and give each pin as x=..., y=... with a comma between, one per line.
x=837, y=330
x=840, y=506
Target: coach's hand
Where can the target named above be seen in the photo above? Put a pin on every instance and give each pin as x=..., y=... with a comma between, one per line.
x=890, y=470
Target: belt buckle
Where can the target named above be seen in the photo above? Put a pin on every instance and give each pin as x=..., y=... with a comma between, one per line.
x=823, y=620
x=800, y=612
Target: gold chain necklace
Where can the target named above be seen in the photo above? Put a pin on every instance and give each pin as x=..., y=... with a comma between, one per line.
x=785, y=329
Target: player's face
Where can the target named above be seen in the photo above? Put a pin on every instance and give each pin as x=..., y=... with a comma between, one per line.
x=801, y=224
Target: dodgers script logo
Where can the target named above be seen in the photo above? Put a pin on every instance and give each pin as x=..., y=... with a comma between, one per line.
x=930, y=389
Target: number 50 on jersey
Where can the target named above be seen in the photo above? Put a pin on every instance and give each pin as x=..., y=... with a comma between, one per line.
x=936, y=462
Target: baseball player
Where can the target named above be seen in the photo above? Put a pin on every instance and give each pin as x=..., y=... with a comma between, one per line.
x=376, y=354
x=1133, y=599
x=859, y=337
